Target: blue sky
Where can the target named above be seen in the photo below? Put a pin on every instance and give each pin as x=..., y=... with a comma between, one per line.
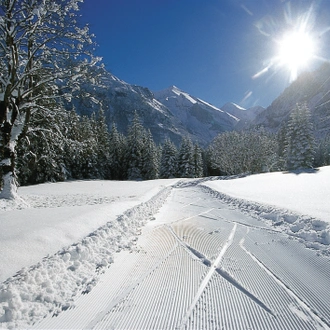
x=211, y=49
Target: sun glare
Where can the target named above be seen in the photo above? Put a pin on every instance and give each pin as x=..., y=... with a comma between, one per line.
x=296, y=49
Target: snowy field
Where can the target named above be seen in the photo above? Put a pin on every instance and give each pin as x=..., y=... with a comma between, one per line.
x=298, y=203
x=61, y=239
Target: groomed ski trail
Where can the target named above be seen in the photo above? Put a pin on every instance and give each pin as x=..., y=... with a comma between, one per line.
x=204, y=265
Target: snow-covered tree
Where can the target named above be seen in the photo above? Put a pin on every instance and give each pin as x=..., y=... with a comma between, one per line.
x=198, y=161
x=281, y=142
x=186, y=161
x=44, y=55
x=101, y=134
x=117, y=148
x=150, y=161
x=322, y=155
x=134, y=149
x=300, y=141
x=168, y=160
x=234, y=152
x=40, y=154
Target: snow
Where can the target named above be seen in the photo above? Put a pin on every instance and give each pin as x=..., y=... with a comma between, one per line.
x=209, y=105
x=304, y=193
x=296, y=203
x=61, y=214
x=53, y=239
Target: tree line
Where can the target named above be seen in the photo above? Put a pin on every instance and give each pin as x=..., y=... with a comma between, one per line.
x=294, y=147
x=71, y=146
x=84, y=148
x=79, y=147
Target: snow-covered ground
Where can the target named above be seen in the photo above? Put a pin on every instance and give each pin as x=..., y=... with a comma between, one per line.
x=297, y=203
x=302, y=192
x=51, y=244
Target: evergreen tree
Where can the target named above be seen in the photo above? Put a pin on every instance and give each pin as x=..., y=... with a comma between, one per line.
x=186, y=161
x=282, y=140
x=168, y=162
x=300, y=142
x=134, y=150
x=198, y=162
x=101, y=134
x=72, y=146
x=150, y=161
x=322, y=154
x=40, y=153
x=117, y=148
x=88, y=159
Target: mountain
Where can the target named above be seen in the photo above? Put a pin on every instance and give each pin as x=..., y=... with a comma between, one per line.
x=200, y=119
x=120, y=100
x=170, y=113
x=245, y=116
x=310, y=87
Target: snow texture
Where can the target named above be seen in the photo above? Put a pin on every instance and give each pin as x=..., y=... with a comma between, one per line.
x=293, y=202
x=50, y=283
x=58, y=246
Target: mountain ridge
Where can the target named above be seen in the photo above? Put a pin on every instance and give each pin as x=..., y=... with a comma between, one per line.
x=173, y=113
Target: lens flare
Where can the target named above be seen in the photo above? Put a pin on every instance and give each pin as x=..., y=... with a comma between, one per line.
x=296, y=49
x=295, y=40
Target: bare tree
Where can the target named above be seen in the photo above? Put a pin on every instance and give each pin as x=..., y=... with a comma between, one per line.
x=44, y=56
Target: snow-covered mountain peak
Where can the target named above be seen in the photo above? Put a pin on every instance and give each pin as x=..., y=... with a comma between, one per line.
x=244, y=115
x=195, y=114
x=232, y=107
x=174, y=92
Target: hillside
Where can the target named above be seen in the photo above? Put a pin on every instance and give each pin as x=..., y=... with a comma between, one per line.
x=168, y=114
x=245, y=116
x=173, y=113
x=310, y=87
x=202, y=120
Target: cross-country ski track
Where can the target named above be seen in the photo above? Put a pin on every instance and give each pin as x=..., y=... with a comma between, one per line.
x=202, y=264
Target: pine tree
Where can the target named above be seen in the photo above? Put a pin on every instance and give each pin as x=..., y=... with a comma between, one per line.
x=150, y=161
x=322, y=155
x=300, y=142
x=88, y=159
x=168, y=162
x=186, y=162
x=281, y=142
x=72, y=146
x=117, y=149
x=135, y=143
x=198, y=162
x=101, y=134
x=40, y=154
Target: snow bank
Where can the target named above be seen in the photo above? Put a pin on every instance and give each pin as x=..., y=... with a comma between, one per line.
x=51, y=284
x=296, y=202
x=60, y=214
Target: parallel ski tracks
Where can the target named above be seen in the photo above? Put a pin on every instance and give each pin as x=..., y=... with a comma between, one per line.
x=209, y=269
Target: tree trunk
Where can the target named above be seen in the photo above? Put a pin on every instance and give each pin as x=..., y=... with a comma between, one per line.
x=7, y=152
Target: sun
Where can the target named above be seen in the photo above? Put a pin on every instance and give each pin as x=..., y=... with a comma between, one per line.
x=296, y=49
